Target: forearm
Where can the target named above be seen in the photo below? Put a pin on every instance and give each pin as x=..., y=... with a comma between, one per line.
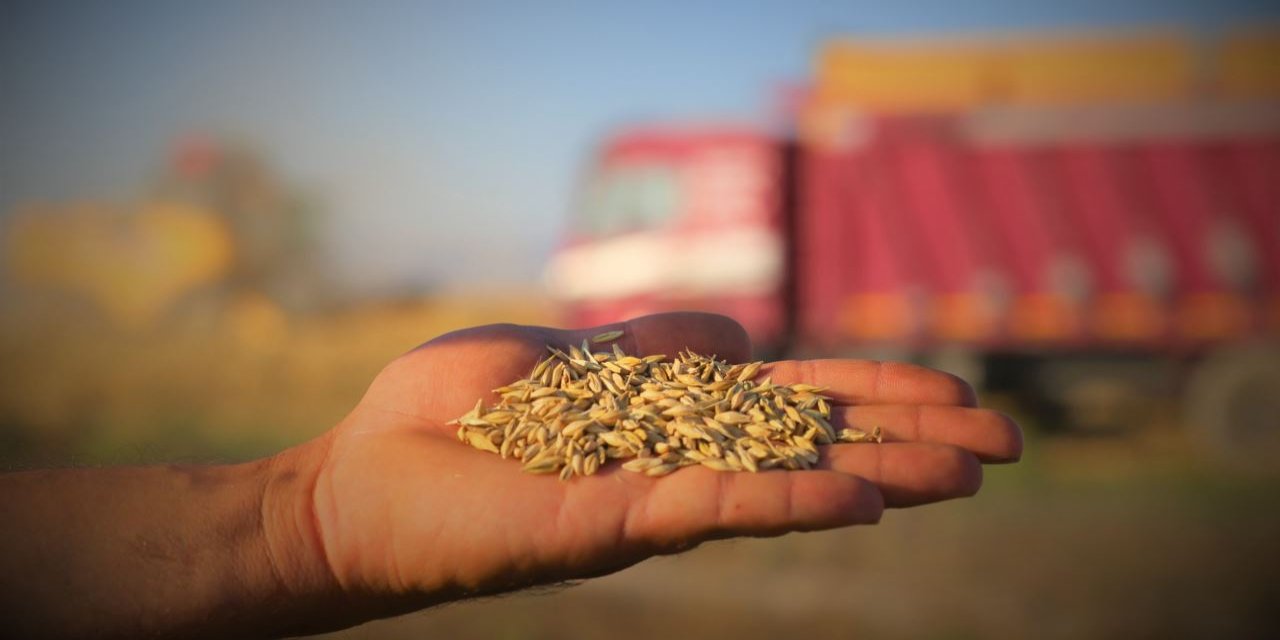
x=162, y=551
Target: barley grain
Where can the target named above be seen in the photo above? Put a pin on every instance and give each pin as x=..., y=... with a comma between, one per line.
x=578, y=409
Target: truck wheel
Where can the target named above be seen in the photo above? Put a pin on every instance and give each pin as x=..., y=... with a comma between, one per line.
x=1106, y=407
x=1104, y=394
x=1232, y=403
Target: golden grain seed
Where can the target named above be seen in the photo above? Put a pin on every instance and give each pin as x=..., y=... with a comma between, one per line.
x=689, y=431
x=804, y=444
x=732, y=417
x=807, y=388
x=544, y=465
x=481, y=441
x=731, y=459
x=576, y=410
x=640, y=464
x=853, y=435
x=679, y=411
x=606, y=336
x=662, y=469
x=576, y=427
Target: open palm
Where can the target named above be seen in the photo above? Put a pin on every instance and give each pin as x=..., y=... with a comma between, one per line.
x=402, y=508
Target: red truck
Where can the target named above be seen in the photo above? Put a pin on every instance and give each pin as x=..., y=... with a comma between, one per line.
x=1089, y=222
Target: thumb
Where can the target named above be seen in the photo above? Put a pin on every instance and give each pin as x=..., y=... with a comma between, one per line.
x=669, y=334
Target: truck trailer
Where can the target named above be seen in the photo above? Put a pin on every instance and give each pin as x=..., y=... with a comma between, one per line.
x=1089, y=222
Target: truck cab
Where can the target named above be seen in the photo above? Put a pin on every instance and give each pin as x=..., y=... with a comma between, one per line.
x=678, y=218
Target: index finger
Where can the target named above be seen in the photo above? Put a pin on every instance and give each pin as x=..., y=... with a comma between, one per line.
x=862, y=382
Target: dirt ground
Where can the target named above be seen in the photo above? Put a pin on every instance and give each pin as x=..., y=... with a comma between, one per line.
x=1120, y=538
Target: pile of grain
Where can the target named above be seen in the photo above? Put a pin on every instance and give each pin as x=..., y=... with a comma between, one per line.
x=578, y=409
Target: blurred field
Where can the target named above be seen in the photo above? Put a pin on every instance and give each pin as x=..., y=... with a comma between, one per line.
x=231, y=383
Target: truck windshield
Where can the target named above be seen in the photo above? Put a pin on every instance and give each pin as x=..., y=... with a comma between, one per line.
x=628, y=198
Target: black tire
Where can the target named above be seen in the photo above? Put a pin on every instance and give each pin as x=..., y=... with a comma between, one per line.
x=1232, y=404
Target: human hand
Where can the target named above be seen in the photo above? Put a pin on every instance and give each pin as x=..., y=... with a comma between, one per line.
x=404, y=516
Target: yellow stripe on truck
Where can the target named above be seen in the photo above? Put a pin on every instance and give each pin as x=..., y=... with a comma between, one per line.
x=951, y=75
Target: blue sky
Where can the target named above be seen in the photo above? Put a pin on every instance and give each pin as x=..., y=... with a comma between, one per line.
x=442, y=138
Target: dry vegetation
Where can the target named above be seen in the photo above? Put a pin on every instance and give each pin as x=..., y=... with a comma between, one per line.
x=243, y=381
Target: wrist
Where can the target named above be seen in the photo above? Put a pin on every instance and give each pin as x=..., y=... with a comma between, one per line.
x=294, y=550
x=289, y=529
